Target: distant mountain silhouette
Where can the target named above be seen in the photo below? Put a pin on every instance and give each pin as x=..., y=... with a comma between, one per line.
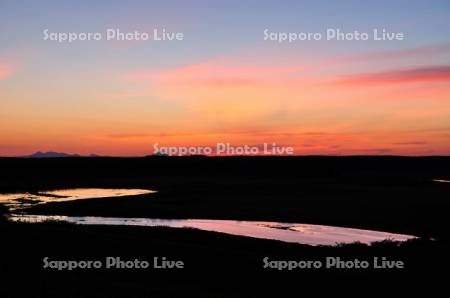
x=49, y=154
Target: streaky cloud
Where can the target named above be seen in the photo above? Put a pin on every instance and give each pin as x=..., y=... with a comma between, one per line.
x=439, y=73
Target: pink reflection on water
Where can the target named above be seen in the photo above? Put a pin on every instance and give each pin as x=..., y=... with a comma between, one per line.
x=18, y=200
x=287, y=232
x=90, y=193
x=441, y=180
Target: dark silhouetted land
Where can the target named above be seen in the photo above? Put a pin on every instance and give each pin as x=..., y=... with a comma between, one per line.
x=395, y=194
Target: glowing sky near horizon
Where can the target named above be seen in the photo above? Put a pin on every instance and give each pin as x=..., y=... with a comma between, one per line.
x=223, y=82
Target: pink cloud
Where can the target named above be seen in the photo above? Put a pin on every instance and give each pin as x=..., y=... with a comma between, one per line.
x=12, y=60
x=418, y=52
x=5, y=71
x=215, y=73
x=224, y=71
x=422, y=74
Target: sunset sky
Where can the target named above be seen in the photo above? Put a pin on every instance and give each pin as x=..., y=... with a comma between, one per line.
x=224, y=82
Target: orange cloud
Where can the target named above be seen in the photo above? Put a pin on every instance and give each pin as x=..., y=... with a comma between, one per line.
x=227, y=92
x=148, y=135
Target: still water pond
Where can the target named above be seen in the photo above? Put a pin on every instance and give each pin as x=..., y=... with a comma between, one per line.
x=22, y=200
x=287, y=232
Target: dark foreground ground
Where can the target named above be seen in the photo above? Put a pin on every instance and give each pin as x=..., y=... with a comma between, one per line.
x=386, y=193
